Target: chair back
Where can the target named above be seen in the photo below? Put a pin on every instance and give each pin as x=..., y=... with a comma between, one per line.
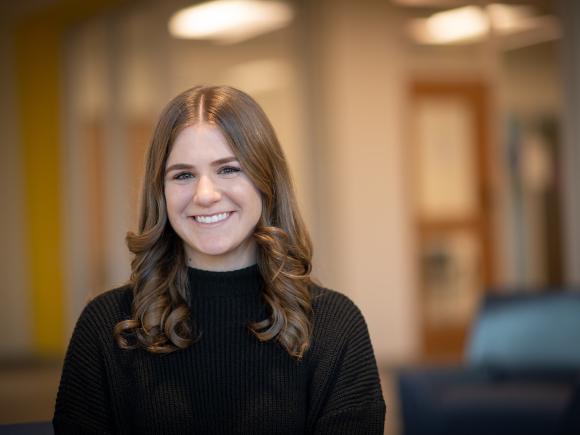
x=539, y=331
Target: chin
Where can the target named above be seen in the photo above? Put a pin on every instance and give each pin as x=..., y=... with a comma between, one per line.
x=214, y=250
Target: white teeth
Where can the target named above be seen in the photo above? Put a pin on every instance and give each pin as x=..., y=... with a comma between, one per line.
x=211, y=219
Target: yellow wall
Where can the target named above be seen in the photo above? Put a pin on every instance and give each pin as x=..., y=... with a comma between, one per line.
x=38, y=53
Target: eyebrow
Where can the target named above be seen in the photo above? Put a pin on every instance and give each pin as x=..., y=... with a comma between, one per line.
x=178, y=166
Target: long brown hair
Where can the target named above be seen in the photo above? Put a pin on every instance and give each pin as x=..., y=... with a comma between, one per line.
x=160, y=320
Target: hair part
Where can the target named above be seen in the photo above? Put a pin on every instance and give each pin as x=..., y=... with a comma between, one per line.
x=160, y=321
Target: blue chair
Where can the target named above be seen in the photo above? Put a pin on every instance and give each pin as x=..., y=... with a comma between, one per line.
x=521, y=365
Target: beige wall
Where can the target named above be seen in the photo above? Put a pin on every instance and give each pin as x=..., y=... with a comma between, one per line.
x=363, y=236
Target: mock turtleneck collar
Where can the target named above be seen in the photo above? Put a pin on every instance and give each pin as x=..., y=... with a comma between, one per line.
x=240, y=282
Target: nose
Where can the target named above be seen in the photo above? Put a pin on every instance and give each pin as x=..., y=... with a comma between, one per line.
x=206, y=192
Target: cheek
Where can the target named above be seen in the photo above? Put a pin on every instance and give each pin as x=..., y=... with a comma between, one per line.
x=258, y=205
x=256, y=209
x=175, y=200
x=251, y=198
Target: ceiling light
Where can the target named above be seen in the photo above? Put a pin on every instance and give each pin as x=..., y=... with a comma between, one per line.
x=428, y=3
x=539, y=29
x=507, y=19
x=464, y=24
x=230, y=21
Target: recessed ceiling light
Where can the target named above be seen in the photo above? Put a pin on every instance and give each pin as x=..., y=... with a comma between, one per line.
x=230, y=21
x=515, y=25
x=510, y=18
x=464, y=24
x=429, y=3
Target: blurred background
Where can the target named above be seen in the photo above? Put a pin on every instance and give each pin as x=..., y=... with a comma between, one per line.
x=434, y=144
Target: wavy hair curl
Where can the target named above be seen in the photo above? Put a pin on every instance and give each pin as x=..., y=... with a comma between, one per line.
x=160, y=321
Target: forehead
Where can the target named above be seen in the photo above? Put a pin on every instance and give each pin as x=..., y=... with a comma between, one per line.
x=199, y=142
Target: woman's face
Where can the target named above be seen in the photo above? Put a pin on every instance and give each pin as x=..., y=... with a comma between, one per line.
x=211, y=204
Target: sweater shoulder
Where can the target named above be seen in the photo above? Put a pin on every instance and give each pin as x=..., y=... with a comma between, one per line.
x=319, y=292
x=108, y=308
x=335, y=313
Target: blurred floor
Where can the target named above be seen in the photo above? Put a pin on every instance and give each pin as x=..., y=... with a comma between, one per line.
x=28, y=390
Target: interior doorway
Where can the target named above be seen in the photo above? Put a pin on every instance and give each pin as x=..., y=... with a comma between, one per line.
x=449, y=166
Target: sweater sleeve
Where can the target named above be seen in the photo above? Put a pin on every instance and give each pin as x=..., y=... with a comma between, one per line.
x=351, y=400
x=82, y=403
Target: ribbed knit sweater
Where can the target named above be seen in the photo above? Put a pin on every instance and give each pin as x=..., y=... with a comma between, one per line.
x=228, y=382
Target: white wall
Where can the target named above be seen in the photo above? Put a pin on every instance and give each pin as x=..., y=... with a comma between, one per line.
x=363, y=235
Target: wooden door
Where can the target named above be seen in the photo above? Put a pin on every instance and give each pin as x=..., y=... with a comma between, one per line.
x=448, y=158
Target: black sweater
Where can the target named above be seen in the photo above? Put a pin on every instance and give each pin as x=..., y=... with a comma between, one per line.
x=228, y=382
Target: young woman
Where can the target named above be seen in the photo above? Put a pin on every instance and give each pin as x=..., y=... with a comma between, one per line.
x=220, y=329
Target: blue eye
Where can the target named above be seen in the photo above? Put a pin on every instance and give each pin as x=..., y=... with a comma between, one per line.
x=229, y=170
x=183, y=176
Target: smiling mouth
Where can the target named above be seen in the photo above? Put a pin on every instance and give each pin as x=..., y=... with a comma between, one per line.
x=211, y=219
